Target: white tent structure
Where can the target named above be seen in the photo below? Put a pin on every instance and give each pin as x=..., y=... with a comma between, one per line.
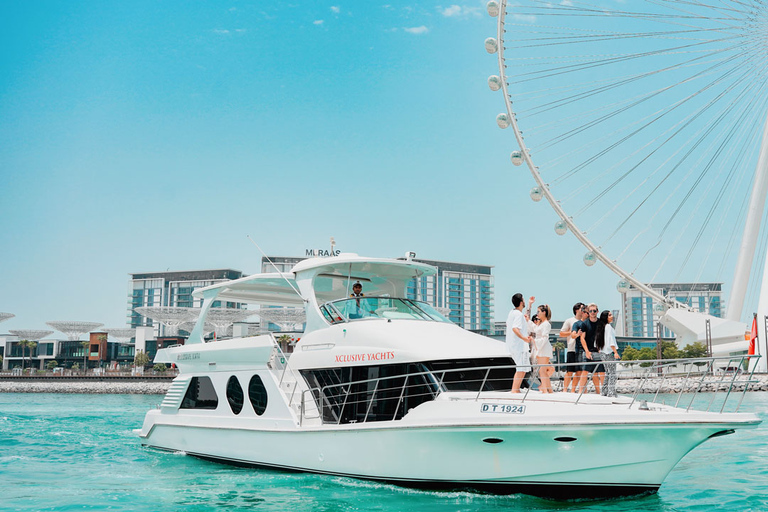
x=727, y=336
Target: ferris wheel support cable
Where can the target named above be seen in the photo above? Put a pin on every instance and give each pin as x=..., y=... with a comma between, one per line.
x=657, y=138
x=608, y=170
x=597, y=10
x=585, y=94
x=545, y=190
x=694, y=213
x=712, y=210
x=732, y=149
x=574, y=68
x=663, y=205
x=714, y=206
x=690, y=151
x=614, y=145
x=648, y=144
x=667, y=200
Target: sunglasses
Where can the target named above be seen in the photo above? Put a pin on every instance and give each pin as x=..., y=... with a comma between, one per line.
x=593, y=311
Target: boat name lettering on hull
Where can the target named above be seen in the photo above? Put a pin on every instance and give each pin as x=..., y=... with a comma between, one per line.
x=186, y=357
x=359, y=358
x=503, y=409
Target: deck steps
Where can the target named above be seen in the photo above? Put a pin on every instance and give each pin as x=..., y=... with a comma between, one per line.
x=175, y=393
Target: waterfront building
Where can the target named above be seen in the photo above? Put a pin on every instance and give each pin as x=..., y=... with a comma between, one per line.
x=13, y=352
x=98, y=353
x=638, y=308
x=463, y=290
x=172, y=289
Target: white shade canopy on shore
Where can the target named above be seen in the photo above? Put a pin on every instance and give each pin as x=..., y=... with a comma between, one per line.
x=74, y=329
x=170, y=316
x=121, y=334
x=30, y=334
x=286, y=318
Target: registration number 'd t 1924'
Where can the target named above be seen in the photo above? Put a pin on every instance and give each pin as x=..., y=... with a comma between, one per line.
x=502, y=408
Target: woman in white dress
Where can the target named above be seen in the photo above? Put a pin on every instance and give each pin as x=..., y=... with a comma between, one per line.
x=605, y=341
x=544, y=348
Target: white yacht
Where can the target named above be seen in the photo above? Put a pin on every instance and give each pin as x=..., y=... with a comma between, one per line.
x=385, y=388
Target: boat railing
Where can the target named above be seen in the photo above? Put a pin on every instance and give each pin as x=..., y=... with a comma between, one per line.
x=710, y=382
x=285, y=374
x=697, y=375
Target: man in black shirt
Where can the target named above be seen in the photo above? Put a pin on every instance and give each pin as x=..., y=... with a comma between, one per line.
x=587, y=334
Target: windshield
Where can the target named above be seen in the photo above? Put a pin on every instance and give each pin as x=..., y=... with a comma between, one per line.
x=379, y=307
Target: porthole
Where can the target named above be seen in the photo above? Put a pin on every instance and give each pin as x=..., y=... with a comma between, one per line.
x=257, y=393
x=235, y=395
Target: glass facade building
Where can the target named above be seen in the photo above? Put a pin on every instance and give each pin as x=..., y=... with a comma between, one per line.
x=172, y=289
x=638, y=307
x=464, y=290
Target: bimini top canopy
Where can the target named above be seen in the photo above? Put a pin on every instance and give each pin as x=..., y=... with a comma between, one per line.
x=277, y=289
x=332, y=279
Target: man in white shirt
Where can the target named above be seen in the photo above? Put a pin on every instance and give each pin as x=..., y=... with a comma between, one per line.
x=570, y=340
x=518, y=341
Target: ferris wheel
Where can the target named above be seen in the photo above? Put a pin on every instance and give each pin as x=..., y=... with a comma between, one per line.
x=642, y=125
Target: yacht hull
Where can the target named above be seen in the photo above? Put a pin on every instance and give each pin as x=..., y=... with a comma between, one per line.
x=573, y=461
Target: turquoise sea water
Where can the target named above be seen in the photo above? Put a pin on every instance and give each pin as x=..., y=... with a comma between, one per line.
x=78, y=452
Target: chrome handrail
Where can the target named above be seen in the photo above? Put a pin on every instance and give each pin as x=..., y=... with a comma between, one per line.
x=279, y=354
x=656, y=374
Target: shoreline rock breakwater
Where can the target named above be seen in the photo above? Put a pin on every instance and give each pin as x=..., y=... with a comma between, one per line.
x=680, y=384
x=101, y=387
x=155, y=387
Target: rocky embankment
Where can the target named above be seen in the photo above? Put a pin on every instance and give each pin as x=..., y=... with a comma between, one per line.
x=159, y=387
x=100, y=387
x=678, y=384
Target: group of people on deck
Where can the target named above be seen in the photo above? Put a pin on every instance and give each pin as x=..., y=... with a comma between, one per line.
x=591, y=341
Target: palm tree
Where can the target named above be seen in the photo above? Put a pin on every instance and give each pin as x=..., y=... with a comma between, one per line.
x=86, y=346
x=23, y=345
x=284, y=340
x=32, y=345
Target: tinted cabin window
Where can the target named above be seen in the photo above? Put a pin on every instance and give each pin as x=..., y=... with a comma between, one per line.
x=200, y=394
x=370, y=393
x=257, y=393
x=470, y=374
x=234, y=395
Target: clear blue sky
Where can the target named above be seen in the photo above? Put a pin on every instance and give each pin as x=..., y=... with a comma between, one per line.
x=147, y=135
